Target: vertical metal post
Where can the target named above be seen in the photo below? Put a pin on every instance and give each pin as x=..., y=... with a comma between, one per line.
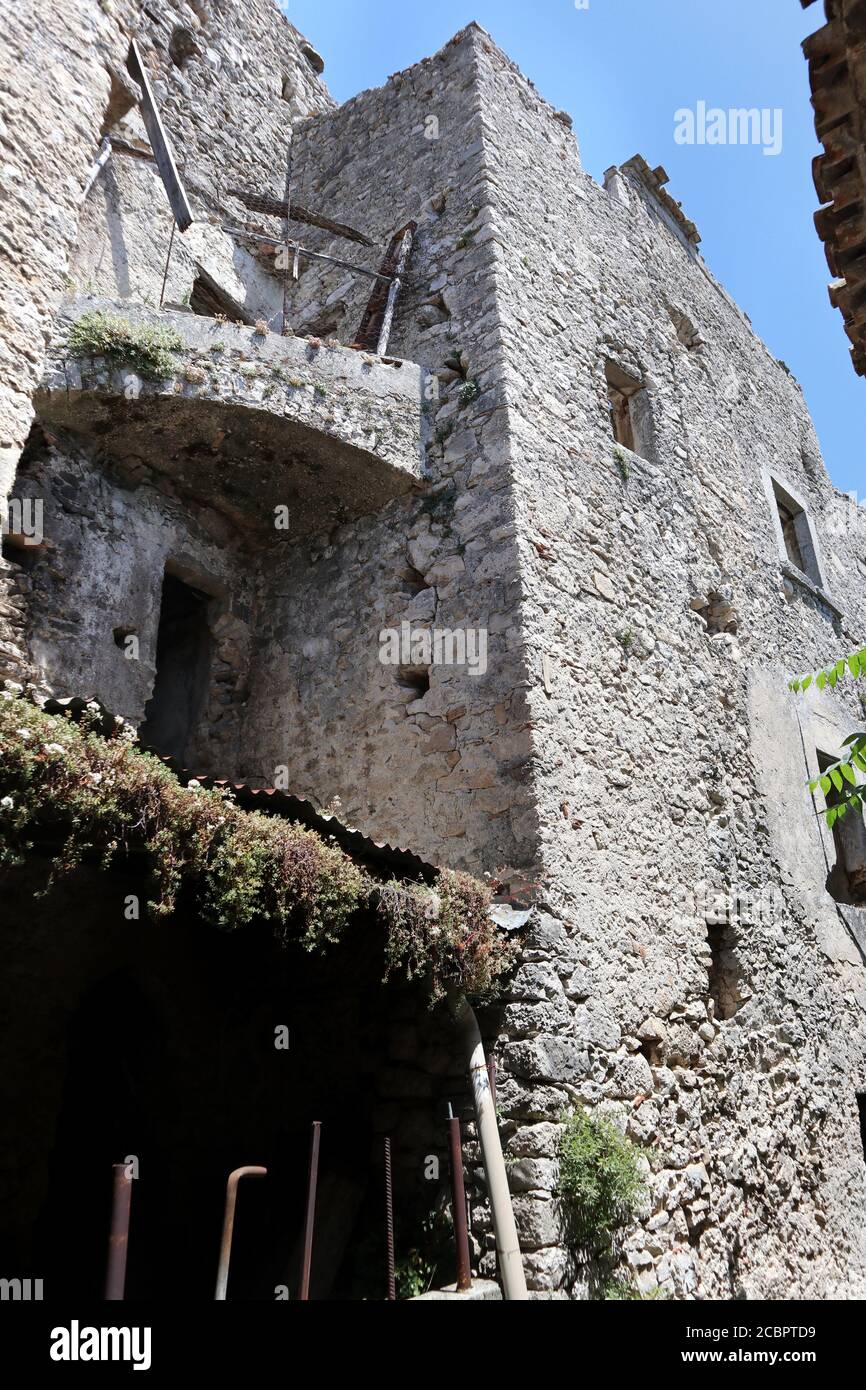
x=118, y=1240
x=250, y=1171
x=458, y=1203
x=491, y=1077
x=167, y=264
x=310, y=1220
x=288, y=190
x=389, y=1224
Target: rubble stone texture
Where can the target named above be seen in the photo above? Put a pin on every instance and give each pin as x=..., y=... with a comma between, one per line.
x=631, y=760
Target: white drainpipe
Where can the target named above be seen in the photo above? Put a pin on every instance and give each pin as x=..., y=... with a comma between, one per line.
x=504, y=1228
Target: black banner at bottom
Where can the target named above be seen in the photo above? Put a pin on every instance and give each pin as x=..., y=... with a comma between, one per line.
x=154, y=1339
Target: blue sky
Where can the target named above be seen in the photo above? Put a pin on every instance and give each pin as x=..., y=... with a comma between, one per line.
x=622, y=68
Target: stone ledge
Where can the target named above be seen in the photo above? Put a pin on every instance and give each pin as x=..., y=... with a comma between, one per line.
x=796, y=576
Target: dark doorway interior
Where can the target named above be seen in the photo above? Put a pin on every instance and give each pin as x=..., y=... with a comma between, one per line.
x=156, y=1042
x=861, y=1107
x=182, y=669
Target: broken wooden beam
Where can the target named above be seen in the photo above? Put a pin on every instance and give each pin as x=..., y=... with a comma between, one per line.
x=159, y=142
x=293, y=212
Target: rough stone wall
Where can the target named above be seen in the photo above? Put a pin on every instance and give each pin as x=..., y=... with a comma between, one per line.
x=631, y=747
x=662, y=746
x=55, y=92
x=59, y=82
x=445, y=770
x=98, y=580
x=230, y=81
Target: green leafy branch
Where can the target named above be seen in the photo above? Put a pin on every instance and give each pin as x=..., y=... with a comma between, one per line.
x=832, y=675
x=840, y=779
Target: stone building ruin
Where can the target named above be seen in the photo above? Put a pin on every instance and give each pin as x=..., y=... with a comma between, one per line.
x=573, y=441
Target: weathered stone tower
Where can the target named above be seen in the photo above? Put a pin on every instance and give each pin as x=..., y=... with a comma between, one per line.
x=577, y=446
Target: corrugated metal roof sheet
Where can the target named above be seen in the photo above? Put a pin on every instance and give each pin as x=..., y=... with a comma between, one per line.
x=387, y=859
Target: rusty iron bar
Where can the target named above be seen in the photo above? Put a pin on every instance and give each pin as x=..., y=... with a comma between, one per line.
x=167, y=264
x=118, y=1240
x=394, y=290
x=310, y=1218
x=458, y=1203
x=275, y=241
x=98, y=164
x=250, y=1171
x=285, y=230
x=491, y=1077
x=389, y=1224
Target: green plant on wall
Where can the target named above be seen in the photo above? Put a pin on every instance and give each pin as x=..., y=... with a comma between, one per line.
x=841, y=777
x=625, y=1291
x=147, y=348
x=413, y=1274
x=600, y=1188
x=622, y=464
x=99, y=796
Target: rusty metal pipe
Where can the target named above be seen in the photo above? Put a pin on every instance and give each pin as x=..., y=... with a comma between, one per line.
x=118, y=1240
x=389, y=1224
x=310, y=1219
x=458, y=1203
x=250, y=1171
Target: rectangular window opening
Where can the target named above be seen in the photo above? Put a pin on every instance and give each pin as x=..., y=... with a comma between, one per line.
x=723, y=974
x=183, y=658
x=861, y=1110
x=628, y=402
x=797, y=535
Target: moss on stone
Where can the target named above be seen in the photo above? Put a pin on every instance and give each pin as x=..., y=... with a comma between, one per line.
x=147, y=348
x=97, y=794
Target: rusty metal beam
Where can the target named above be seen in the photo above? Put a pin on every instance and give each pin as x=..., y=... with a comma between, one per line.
x=458, y=1204
x=250, y=1171
x=310, y=1218
x=118, y=1240
x=389, y=1224
x=241, y=232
